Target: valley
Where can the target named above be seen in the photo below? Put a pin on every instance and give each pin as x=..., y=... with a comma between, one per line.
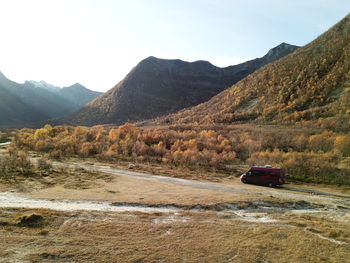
x=160, y=168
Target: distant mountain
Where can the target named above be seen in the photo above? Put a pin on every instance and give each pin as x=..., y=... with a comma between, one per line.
x=32, y=101
x=157, y=87
x=311, y=84
x=43, y=85
x=76, y=94
x=13, y=111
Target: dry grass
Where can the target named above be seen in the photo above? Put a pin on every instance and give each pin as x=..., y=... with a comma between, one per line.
x=187, y=237
x=327, y=228
x=49, y=177
x=159, y=237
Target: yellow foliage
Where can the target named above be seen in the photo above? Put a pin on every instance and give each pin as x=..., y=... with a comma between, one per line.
x=342, y=145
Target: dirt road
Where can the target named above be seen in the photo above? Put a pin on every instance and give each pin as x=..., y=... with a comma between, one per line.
x=144, y=192
x=235, y=186
x=167, y=189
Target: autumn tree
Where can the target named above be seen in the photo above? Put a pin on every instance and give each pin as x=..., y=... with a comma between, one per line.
x=342, y=145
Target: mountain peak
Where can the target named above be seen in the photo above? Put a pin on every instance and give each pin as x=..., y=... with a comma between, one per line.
x=203, y=63
x=150, y=58
x=158, y=86
x=281, y=50
x=41, y=84
x=77, y=86
x=309, y=85
x=284, y=44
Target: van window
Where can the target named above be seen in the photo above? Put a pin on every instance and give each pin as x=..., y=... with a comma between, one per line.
x=257, y=173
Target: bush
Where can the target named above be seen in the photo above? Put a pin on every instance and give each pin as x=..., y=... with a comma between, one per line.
x=43, y=164
x=30, y=220
x=3, y=137
x=16, y=162
x=342, y=145
x=305, y=154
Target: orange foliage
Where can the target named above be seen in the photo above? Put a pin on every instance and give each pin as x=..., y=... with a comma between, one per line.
x=302, y=153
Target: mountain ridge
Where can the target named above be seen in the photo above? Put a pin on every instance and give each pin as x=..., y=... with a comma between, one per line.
x=31, y=102
x=156, y=87
x=311, y=83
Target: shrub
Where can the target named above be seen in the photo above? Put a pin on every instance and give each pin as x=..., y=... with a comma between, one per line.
x=16, y=162
x=43, y=164
x=30, y=220
x=304, y=154
x=342, y=145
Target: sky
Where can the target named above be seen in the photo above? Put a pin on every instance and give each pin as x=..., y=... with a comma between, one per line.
x=97, y=42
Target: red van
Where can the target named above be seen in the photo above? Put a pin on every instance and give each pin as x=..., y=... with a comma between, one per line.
x=264, y=175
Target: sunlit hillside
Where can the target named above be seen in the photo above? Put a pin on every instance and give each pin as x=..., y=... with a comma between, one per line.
x=312, y=83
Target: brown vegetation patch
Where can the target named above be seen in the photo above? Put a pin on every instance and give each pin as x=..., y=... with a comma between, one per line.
x=30, y=220
x=139, y=237
x=307, y=155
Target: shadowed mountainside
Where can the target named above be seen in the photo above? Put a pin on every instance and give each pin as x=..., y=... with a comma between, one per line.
x=13, y=111
x=157, y=87
x=22, y=104
x=76, y=94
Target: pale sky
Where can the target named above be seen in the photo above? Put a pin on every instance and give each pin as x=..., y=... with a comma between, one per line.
x=97, y=42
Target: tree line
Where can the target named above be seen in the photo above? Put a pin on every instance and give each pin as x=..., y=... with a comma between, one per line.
x=304, y=154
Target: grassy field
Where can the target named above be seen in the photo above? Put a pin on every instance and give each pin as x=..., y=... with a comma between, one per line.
x=182, y=237
x=318, y=231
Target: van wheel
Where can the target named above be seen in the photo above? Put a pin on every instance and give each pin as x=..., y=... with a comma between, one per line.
x=244, y=181
x=270, y=185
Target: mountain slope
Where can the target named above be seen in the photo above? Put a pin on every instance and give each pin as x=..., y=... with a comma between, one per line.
x=32, y=101
x=75, y=95
x=13, y=111
x=157, y=87
x=78, y=94
x=43, y=85
x=43, y=100
x=313, y=83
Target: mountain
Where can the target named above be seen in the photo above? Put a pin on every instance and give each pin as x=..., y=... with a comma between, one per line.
x=13, y=111
x=157, y=87
x=32, y=101
x=312, y=83
x=76, y=94
x=43, y=100
x=43, y=85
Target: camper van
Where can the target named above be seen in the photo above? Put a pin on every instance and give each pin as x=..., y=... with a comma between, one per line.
x=264, y=175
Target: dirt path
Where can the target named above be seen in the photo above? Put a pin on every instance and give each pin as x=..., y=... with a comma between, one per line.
x=286, y=193
x=315, y=192
x=233, y=187
x=14, y=200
